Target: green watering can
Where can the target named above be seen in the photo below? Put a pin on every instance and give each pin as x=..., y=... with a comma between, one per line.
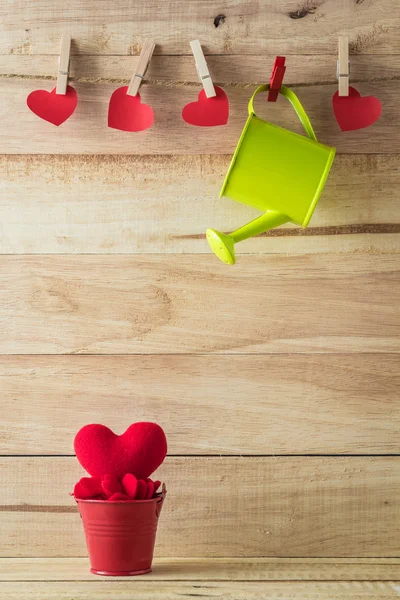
x=275, y=170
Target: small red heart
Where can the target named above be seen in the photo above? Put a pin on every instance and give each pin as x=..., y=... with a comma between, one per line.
x=130, y=483
x=118, y=497
x=141, y=490
x=354, y=111
x=87, y=488
x=207, y=112
x=111, y=485
x=150, y=489
x=156, y=485
x=127, y=113
x=52, y=107
x=140, y=450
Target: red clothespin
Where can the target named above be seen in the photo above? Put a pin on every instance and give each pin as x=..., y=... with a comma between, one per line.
x=278, y=71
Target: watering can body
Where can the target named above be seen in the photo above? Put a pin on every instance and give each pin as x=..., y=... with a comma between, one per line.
x=275, y=170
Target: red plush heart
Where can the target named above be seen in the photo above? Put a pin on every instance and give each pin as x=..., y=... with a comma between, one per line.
x=88, y=487
x=140, y=450
x=141, y=490
x=130, y=483
x=111, y=485
x=52, y=107
x=207, y=112
x=150, y=489
x=354, y=111
x=127, y=113
x=118, y=497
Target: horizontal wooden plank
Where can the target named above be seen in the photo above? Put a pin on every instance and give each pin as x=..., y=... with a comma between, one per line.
x=180, y=71
x=185, y=304
x=212, y=569
x=278, y=506
x=234, y=27
x=131, y=204
x=86, y=132
x=302, y=404
x=124, y=590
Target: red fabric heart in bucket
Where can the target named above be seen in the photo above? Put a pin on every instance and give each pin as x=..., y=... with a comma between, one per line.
x=127, y=113
x=207, y=112
x=52, y=107
x=354, y=111
x=140, y=450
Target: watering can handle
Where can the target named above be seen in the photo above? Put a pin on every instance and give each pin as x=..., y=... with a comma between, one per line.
x=294, y=101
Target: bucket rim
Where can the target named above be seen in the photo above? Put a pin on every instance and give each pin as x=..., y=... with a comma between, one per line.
x=143, y=501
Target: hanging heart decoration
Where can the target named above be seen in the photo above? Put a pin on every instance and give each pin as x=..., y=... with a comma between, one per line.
x=207, y=112
x=127, y=113
x=52, y=107
x=355, y=111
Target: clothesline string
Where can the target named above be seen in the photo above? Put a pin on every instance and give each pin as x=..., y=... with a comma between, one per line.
x=177, y=84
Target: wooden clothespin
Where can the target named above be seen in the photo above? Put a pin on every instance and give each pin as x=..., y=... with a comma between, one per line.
x=63, y=64
x=142, y=66
x=343, y=66
x=278, y=71
x=202, y=69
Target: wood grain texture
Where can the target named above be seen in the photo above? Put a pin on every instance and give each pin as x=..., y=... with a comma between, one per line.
x=278, y=506
x=302, y=404
x=124, y=590
x=187, y=304
x=211, y=569
x=87, y=132
x=120, y=27
x=131, y=204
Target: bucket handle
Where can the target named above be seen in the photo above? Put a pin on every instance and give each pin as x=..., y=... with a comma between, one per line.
x=294, y=101
x=160, y=500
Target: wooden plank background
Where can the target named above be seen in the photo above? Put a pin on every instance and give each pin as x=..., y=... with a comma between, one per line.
x=186, y=304
x=245, y=28
x=278, y=404
x=151, y=204
x=112, y=309
x=231, y=506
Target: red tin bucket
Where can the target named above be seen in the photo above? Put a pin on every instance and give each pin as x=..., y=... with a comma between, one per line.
x=120, y=536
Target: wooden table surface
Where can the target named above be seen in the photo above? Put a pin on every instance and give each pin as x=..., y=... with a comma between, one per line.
x=236, y=579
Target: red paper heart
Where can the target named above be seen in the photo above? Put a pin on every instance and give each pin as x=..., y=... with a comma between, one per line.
x=354, y=111
x=52, y=107
x=140, y=450
x=127, y=113
x=207, y=112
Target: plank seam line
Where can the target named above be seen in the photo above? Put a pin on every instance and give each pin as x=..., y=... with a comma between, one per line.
x=250, y=356
x=141, y=157
x=194, y=354
x=309, y=559
x=327, y=230
x=224, y=456
x=232, y=582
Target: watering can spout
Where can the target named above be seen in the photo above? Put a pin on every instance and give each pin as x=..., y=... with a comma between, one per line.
x=223, y=245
